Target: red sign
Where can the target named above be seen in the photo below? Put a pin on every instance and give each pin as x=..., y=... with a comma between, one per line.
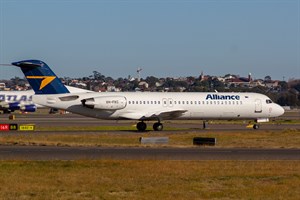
x=4, y=127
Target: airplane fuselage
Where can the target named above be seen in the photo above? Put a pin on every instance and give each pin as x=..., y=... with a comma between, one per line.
x=136, y=105
x=13, y=96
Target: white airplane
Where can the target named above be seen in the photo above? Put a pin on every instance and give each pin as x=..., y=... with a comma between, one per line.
x=17, y=100
x=144, y=106
x=11, y=101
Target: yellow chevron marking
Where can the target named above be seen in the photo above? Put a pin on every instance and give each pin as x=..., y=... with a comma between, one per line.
x=46, y=80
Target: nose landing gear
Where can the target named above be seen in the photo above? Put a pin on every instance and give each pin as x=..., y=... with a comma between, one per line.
x=256, y=126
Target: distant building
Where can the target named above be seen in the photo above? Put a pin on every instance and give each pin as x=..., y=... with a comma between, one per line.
x=238, y=82
x=2, y=86
x=257, y=82
x=272, y=84
x=112, y=88
x=143, y=85
x=202, y=77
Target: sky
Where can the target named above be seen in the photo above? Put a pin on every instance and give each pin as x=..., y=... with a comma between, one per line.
x=166, y=38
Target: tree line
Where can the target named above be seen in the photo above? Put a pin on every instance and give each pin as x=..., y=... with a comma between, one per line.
x=286, y=93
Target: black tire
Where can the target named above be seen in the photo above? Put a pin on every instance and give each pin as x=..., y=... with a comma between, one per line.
x=141, y=126
x=158, y=126
x=255, y=126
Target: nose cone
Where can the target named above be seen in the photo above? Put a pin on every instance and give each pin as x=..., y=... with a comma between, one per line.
x=279, y=111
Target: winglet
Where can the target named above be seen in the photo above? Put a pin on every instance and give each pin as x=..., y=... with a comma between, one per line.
x=41, y=78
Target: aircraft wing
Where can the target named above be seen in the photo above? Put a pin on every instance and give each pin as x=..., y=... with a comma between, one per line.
x=161, y=114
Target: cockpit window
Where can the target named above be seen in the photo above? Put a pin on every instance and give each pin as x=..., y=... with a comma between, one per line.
x=269, y=101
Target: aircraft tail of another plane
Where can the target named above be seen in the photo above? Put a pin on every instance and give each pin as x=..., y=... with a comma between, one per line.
x=41, y=78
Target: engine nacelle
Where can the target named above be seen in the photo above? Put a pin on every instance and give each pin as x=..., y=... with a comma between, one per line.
x=14, y=106
x=105, y=103
x=28, y=108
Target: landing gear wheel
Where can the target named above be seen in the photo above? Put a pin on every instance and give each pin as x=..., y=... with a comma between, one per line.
x=158, y=126
x=141, y=126
x=256, y=126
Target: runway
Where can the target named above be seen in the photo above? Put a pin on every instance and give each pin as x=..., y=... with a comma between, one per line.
x=47, y=153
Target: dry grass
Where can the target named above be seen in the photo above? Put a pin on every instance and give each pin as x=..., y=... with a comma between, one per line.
x=150, y=180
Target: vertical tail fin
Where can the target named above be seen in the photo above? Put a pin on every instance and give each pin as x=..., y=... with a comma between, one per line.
x=41, y=78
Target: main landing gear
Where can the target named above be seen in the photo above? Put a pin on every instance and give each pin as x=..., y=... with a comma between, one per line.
x=141, y=126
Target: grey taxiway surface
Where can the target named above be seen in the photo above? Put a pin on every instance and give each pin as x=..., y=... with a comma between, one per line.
x=132, y=153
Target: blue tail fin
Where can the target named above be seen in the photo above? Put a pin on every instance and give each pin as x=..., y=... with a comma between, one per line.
x=41, y=78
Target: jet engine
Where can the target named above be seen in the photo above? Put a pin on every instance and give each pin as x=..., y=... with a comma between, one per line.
x=105, y=103
x=28, y=108
x=23, y=107
x=14, y=106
